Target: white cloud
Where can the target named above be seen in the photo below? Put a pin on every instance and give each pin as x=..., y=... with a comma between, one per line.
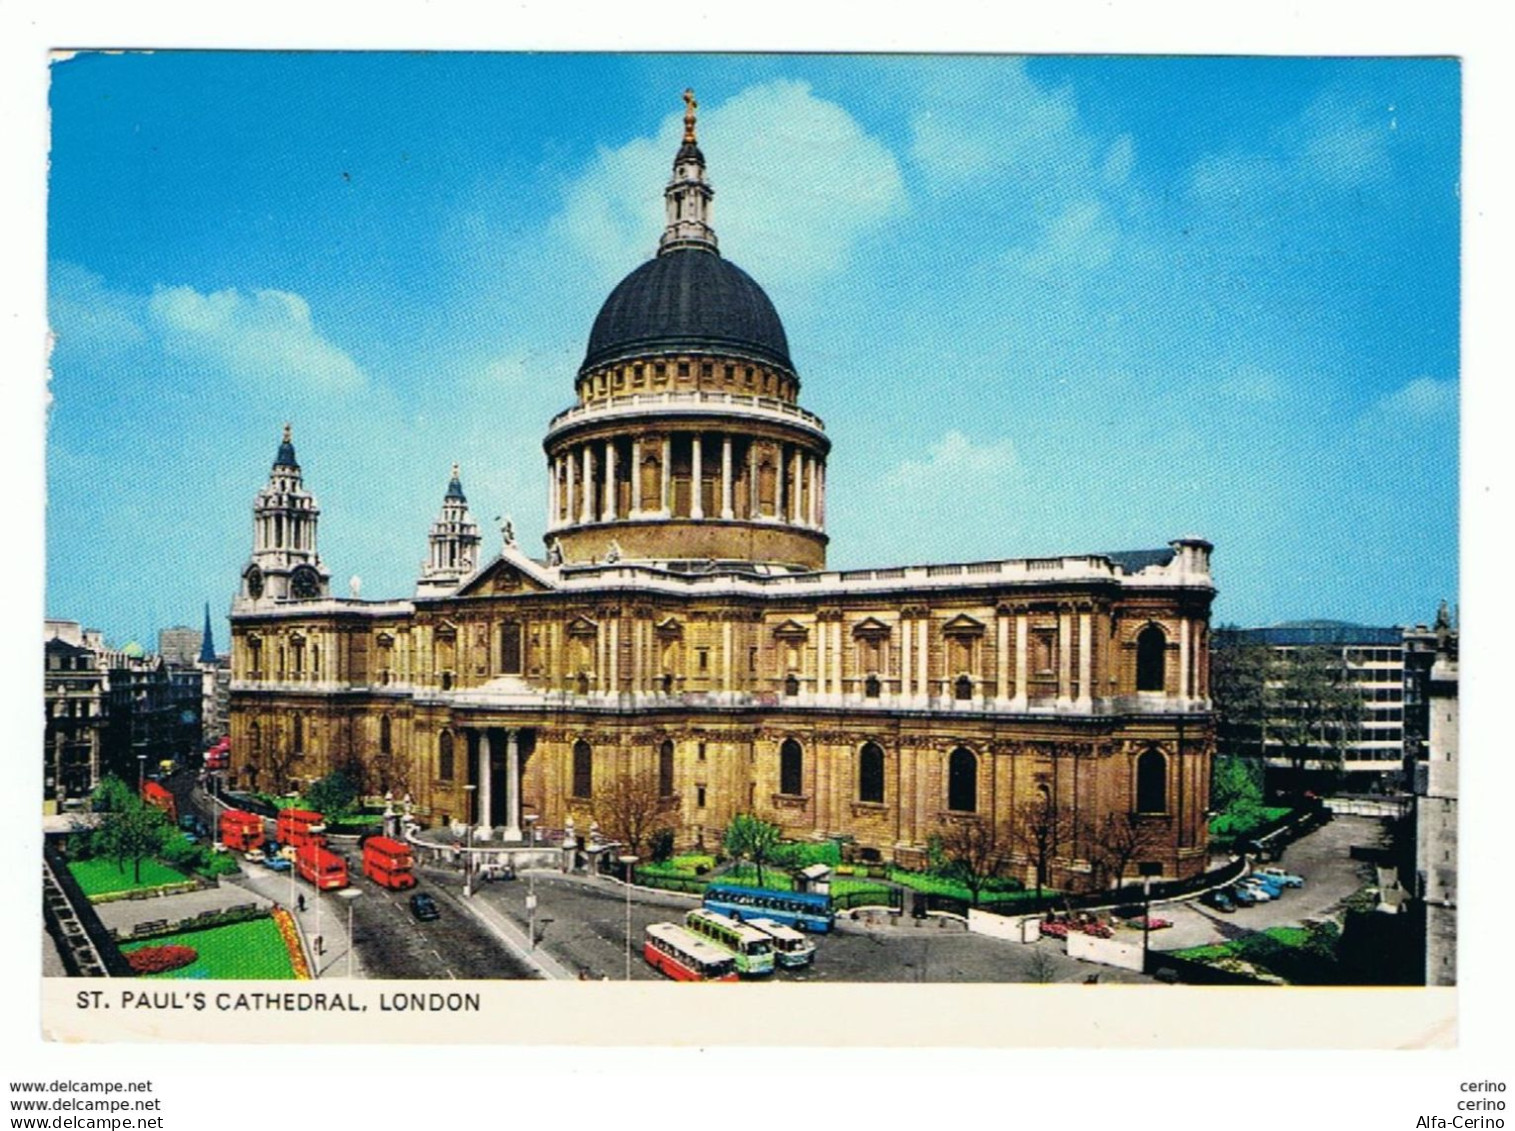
x=263, y=335
x=1082, y=237
x=798, y=182
x=952, y=459
x=1120, y=158
x=87, y=315
x=1422, y=400
x=1254, y=385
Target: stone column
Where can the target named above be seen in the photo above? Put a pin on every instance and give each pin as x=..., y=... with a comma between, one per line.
x=486, y=781
x=796, y=494
x=1064, y=659
x=667, y=492
x=727, y=661
x=726, y=511
x=512, y=786
x=697, y=476
x=1085, y=661
x=778, y=485
x=1021, y=645
x=813, y=493
x=568, y=511
x=609, y=510
x=552, y=493
x=1002, y=658
x=587, y=514
x=822, y=632
x=636, y=475
x=837, y=658
x=1183, y=661
x=613, y=647
x=820, y=468
x=922, y=653
x=904, y=660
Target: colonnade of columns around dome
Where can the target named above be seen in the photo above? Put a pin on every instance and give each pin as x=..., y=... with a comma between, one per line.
x=691, y=474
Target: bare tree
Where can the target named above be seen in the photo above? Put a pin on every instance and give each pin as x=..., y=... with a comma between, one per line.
x=1119, y=839
x=973, y=848
x=630, y=807
x=1040, y=828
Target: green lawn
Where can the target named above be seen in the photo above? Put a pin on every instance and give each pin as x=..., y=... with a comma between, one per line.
x=745, y=875
x=681, y=866
x=100, y=876
x=253, y=949
x=1285, y=936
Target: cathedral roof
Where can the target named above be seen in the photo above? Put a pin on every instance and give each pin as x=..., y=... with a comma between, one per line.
x=688, y=299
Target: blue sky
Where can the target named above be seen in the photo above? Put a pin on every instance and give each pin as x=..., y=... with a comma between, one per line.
x=1044, y=306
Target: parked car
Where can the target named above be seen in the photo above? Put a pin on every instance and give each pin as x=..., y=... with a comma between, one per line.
x=1258, y=892
x=1287, y=879
x=1271, y=885
x=277, y=864
x=1240, y=896
x=497, y=872
x=423, y=907
x=1219, y=900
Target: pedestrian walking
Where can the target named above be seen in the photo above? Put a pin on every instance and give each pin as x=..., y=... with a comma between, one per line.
x=300, y=902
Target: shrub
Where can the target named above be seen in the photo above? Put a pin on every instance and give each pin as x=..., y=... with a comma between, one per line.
x=219, y=864
x=157, y=959
x=660, y=845
x=182, y=854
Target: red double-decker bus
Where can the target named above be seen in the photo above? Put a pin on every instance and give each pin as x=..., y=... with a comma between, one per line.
x=241, y=832
x=685, y=957
x=218, y=757
x=387, y=862
x=300, y=827
x=159, y=797
x=326, y=870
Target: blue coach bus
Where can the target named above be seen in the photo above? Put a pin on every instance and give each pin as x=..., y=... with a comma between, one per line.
x=805, y=910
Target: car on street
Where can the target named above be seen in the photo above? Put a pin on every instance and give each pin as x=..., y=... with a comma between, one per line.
x=1240, y=896
x=277, y=864
x=423, y=907
x=1258, y=892
x=1267, y=883
x=1219, y=900
x=1286, y=879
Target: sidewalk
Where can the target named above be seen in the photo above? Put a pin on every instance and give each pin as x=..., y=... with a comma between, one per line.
x=324, y=917
x=123, y=914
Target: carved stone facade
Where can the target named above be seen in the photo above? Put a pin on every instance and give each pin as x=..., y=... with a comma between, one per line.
x=683, y=625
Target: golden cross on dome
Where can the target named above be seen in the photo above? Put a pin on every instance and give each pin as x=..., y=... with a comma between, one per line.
x=690, y=106
x=286, y=432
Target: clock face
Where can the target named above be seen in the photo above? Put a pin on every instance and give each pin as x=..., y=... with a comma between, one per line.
x=304, y=583
x=254, y=582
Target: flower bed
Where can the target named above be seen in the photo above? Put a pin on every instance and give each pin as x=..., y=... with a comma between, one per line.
x=291, y=936
x=160, y=959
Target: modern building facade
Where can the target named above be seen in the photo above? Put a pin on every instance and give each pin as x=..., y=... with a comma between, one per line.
x=682, y=628
x=1387, y=669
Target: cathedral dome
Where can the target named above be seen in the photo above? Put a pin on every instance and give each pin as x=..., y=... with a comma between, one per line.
x=688, y=299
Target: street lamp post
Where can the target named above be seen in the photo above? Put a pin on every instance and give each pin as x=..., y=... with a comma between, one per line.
x=531, y=829
x=141, y=773
x=351, y=896
x=628, y=861
x=531, y=908
x=468, y=845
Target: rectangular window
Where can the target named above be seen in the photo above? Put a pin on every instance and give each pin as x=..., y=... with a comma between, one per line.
x=701, y=749
x=704, y=658
x=699, y=797
x=683, y=369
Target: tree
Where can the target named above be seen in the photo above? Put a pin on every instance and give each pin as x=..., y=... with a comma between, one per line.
x=973, y=853
x=1119, y=839
x=1238, y=677
x=630, y=807
x=1040, y=827
x=749, y=838
x=1312, y=709
x=133, y=833
x=113, y=795
x=333, y=795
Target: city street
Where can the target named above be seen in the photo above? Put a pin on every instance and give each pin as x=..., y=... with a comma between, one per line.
x=1322, y=858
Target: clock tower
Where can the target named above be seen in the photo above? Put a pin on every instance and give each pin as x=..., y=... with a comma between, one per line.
x=285, y=565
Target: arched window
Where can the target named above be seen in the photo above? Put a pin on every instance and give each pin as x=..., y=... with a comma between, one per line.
x=871, y=687
x=962, y=781
x=665, y=769
x=1152, y=782
x=964, y=687
x=582, y=683
x=299, y=729
x=870, y=773
x=255, y=738
x=510, y=647
x=583, y=769
x=444, y=756
x=791, y=768
x=1151, y=659
x=791, y=684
